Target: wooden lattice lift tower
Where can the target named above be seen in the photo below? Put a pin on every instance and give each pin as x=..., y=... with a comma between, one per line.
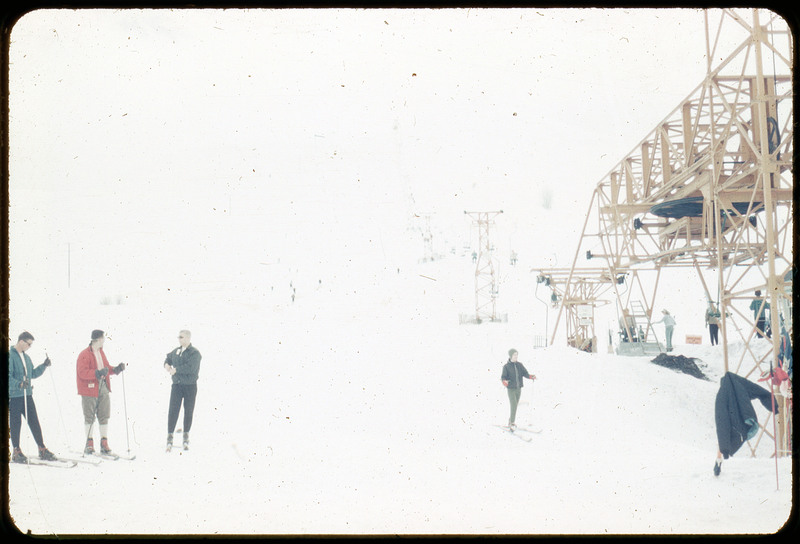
x=711, y=188
x=485, y=269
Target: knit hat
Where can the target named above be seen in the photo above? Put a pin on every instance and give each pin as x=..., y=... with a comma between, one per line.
x=97, y=333
x=511, y=352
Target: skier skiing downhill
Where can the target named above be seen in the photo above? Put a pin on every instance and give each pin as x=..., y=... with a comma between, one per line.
x=513, y=372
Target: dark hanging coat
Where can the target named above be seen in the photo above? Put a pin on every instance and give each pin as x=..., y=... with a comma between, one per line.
x=734, y=413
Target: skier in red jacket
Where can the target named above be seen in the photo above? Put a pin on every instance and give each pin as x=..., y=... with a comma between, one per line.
x=94, y=386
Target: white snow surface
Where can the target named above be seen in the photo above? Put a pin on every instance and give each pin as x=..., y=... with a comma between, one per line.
x=363, y=407
x=175, y=169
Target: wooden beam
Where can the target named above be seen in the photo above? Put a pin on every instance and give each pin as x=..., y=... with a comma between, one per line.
x=778, y=195
x=688, y=132
x=630, y=209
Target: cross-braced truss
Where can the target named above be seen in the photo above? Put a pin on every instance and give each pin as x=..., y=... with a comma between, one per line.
x=587, y=287
x=711, y=187
x=485, y=268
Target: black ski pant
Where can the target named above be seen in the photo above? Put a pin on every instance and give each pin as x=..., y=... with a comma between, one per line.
x=713, y=331
x=181, y=393
x=16, y=410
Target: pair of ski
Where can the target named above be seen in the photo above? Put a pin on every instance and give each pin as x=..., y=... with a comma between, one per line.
x=98, y=457
x=113, y=456
x=71, y=462
x=58, y=463
x=514, y=430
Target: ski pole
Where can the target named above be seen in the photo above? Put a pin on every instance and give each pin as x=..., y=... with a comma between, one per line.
x=25, y=400
x=91, y=425
x=125, y=407
x=774, y=425
x=94, y=415
x=58, y=402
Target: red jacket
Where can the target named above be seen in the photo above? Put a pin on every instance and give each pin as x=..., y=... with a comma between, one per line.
x=87, y=364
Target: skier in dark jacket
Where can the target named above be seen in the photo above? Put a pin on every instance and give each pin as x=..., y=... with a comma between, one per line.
x=734, y=414
x=183, y=364
x=20, y=397
x=760, y=306
x=513, y=372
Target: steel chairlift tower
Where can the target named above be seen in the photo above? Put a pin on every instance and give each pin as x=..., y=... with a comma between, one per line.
x=485, y=274
x=711, y=188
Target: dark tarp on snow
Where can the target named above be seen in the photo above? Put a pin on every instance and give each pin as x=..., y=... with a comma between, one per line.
x=680, y=363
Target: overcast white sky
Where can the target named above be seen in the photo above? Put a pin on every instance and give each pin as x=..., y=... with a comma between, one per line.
x=136, y=134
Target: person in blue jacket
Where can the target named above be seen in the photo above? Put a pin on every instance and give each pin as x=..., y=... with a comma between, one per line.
x=759, y=306
x=20, y=397
x=513, y=372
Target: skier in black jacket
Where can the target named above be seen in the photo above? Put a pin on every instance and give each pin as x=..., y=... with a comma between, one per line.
x=734, y=414
x=183, y=364
x=513, y=372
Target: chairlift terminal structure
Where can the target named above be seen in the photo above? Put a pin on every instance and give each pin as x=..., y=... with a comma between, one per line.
x=710, y=188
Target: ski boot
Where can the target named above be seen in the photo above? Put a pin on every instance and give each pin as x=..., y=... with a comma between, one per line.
x=186, y=441
x=89, y=448
x=169, y=441
x=104, y=446
x=18, y=456
x=46, y=455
